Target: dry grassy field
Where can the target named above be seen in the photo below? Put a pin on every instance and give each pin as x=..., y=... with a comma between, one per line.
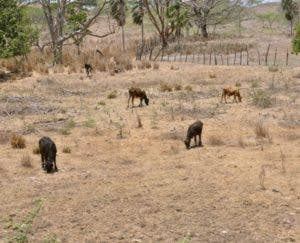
x=125, y=174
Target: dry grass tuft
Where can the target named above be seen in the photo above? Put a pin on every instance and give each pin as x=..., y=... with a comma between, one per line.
x=26, y=161
x=214, y=140
x=36, y=150
x=66, y=150
x=164, y=87
x=177, y=87
x=261, y=99
x=155, y=66
x=212, y=75
x=144, y=64
x=262, y=131
x=188, y=88
x=17, y=141
x=112, y=95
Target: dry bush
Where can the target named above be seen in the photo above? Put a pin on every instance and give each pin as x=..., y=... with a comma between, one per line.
x=17, y=141
x=173, y=67
x=261, y=99
x=177, y=87
x=164, y=87
x=66, y=150
x=212, y=75
x=123, y=62
x=112, y=95
x=273, y=69
x=214, y=140
x=26, y=161
x=155, y=66
x=188, y=88
x=36, y=150
x=262, y=131
x=144, y=64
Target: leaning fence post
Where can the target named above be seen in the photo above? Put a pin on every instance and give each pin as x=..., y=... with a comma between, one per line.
x=267, y=54
x=275, y=57
x=287, y=57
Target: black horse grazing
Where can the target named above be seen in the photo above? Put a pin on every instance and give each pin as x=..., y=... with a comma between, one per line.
x=88, y=69
x=137, y=93
x=48, y=154
x=193, y=131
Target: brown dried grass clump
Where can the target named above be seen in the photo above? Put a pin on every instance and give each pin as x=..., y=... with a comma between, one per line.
x=36, y=150
x=164, y=87
x=26, y=161
x=262, y=131
x=17, y=141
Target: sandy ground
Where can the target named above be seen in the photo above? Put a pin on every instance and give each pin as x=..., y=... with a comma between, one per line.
x=121, y=183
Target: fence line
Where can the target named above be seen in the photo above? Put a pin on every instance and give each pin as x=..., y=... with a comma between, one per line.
x=242, y=57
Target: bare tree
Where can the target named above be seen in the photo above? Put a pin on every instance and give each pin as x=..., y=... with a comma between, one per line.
x=211, y=12
x=157, y=14
x=57, y=20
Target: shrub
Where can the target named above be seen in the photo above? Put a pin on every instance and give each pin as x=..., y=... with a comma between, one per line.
x=262, y=131
x=36, y=150
x=65, y=131
x=66, y=150
x=177, y=87
x=164, y=87
x=212, y=75
x=273, y=69
x=155, y=66
x=26, y=161
x=17, y=141
x=188, y=88
x=261, y=99
x=90, y=123
x=101, y=103
x=112, y=95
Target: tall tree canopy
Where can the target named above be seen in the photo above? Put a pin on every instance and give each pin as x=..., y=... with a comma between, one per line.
x=16, y=35
x=291, y=10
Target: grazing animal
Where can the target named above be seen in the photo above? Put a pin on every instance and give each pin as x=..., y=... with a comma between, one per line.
x=193, y=131
x=48, y=154
x=88, y=69
x=137, y=93
x=231, y=91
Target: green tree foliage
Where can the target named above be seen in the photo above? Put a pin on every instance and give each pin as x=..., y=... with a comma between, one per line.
x=138, y=13
x=118, y=12
x=16, y=35
x=296, y=40
x=291, y=10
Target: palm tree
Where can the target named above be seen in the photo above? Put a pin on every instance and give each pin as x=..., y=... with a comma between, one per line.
x=138, y=12
x=118, y=12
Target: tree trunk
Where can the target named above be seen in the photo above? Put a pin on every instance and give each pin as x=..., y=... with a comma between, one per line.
x=123, y=37
x=142, y=49
x=204, y=30
x=291, y=26
x=57, y=54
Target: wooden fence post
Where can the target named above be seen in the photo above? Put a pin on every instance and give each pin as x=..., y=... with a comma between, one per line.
x=287, y=57
x=186, y=55
x=180, y=56
x=241, y=57
x=204, y=57
x=267, y=54
x=210, y=57
x=258, y=55
x=234, y=57
x=275, y=57
x=247, y=55
x=193, y=56
x=227, y=59
x=222, y=59
x=215, y=57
